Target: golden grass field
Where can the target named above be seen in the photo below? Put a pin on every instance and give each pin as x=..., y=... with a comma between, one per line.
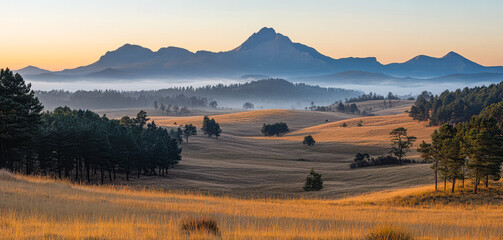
x=243, y=163
x=251, y=186
x=41, y=208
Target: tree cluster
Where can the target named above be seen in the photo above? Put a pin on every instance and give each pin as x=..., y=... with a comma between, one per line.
x=69, y=143
x=211, y=127
x=472, y=149
x=364, y=160
x=275, y=129
x=456, y=106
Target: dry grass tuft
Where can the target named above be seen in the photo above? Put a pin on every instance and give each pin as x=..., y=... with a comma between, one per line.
x=389, y=232
x=196, y=225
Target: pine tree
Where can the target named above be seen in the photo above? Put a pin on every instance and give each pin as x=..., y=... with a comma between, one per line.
x=19, y=117
x=400, y=142
x=188, y=131
x=482, y=143
x=314, y=181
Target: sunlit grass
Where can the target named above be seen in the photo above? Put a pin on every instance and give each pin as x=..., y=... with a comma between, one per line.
x=41, y=208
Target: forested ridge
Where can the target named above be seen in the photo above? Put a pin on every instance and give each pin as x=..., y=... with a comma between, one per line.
x=455, y=106
x=270, y=90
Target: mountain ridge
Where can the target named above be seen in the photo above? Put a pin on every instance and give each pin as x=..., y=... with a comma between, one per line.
x=265, y=52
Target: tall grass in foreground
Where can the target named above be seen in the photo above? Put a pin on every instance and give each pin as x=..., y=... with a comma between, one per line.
x=40, y=208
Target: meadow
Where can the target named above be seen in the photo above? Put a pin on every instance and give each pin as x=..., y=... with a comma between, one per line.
x=41, y=208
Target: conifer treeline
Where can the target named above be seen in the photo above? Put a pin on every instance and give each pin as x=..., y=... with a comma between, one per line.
x=456, y=106
x=472, y=149
x=78, y=144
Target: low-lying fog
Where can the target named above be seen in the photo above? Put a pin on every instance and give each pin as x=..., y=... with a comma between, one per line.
x=154, y=84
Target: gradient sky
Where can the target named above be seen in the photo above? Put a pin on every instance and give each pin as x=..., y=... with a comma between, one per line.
x=58, y=34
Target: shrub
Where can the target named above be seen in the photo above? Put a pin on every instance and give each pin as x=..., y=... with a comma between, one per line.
x=344, y=125
x=314, y=182
x=364, y=160
x=388, y=232
x=192, y=225
x=309, y=140
x=275, y=129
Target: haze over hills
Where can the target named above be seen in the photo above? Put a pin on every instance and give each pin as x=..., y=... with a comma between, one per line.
x=263, y=53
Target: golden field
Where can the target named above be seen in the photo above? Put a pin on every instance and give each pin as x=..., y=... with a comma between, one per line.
x=40, y=208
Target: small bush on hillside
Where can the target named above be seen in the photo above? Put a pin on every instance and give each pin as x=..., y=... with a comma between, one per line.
x=192, y=225
x=309, y=140
x=314, y=182
x=364, y=160
x=344, y=125
x=276, y=129
x=388, y=232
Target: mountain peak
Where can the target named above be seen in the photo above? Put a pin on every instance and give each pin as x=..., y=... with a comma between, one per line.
x=452, y=54
x=263, y=35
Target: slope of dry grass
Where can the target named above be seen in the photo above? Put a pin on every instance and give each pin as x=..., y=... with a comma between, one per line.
x=38, y=208
x=373, y=132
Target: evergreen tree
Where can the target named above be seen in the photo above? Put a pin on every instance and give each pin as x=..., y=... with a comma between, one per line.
x=400, y=143
x=189, y=130
x=314, y=182
x=482, y=143
x=19, y=118
x=309, y=140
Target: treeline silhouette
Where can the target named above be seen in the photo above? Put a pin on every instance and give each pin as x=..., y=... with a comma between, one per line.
x=78, y=144
x=372, y=96
x=99, y=99
x=261, y=90
x=455, y=106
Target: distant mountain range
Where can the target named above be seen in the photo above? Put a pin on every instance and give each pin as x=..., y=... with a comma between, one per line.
x=265, y=53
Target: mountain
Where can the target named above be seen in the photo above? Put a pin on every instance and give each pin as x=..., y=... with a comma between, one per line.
x=265, y=52
x=31, y=70
x=426, y=66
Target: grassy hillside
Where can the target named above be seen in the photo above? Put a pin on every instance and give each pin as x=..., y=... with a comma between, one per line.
x=243, y=163
x=38, y=208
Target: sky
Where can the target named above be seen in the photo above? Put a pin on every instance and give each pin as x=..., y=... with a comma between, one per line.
x=60, y=34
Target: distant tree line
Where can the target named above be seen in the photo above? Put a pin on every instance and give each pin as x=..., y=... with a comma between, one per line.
x=337, y=107
x=270, y=90
x=78, y=144
x=364, y=160
x=456, y=106
x=99, y=99
x=372, y=96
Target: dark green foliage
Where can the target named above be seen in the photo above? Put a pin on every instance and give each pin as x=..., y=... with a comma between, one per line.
x=314, y=182
x=309, y=140
x=275, y=129
x=365, y=97
x=400, y=142
x=211, y=127
x=482, y=143
x=494, y=111
x=364, y=160
x=81, y=142
x=457, y=106
x=78, y=143
x=476, y=146
x=189, y=130
x=19, y=119
x=344, y=125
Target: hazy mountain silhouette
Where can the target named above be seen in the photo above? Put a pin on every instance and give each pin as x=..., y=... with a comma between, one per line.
x=265, y=52
x=31, y=70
